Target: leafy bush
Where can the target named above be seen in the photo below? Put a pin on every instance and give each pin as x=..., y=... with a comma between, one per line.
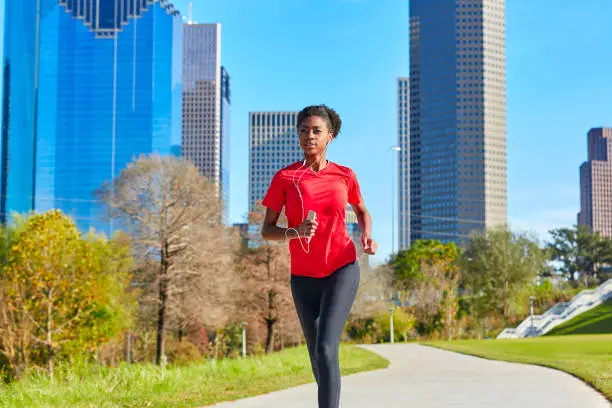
x=403, y=325
x=365, y=330
x=227, y=342
x=181, y=352
x=376, y=329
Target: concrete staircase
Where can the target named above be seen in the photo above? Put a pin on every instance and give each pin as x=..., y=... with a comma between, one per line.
x=560, y=313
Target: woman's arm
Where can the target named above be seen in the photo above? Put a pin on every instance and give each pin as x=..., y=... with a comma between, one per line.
x=271, y=232
x=365, y=224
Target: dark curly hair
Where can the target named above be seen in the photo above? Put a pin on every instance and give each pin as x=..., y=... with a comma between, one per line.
x=324, y=112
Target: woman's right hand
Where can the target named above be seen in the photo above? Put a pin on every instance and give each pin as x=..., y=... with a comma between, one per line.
x=308, y=228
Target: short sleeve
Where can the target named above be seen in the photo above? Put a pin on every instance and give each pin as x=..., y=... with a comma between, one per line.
x=354, y=192
x=275, y=197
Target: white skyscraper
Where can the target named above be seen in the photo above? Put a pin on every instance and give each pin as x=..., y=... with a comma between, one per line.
x=206, y=102
x=273, y=144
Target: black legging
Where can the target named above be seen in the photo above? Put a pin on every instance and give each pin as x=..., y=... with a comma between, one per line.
x=323, y=305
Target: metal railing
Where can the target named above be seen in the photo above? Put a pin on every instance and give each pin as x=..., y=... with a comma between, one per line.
x=560, y=313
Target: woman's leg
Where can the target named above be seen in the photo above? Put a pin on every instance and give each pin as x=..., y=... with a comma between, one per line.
x=307, y=298
x=338, y=296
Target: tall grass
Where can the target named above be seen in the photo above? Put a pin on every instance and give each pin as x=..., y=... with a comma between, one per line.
x=199, y=384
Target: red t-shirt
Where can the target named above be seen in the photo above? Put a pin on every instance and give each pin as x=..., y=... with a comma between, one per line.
x=326, y=192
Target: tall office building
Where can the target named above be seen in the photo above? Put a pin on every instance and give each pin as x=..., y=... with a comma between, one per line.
x=273, y=144
x=403, y=162
x=87, y=86
x=2, y=11
x=226, y=104
x=206, y=106
x=457, y=117
x=596, y=183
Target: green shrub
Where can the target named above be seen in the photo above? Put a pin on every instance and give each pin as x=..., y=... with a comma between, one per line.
x=376, y=329
x=181, y=352
x=364, y=330
x=227, y=342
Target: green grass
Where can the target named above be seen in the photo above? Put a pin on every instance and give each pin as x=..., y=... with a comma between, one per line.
x=595, y=321
x=196, y=385
x=586, y=357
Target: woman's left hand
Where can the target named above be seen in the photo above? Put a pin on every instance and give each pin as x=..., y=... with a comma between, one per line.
x=369, y=245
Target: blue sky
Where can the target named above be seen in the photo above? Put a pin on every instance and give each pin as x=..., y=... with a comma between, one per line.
x=283, y=55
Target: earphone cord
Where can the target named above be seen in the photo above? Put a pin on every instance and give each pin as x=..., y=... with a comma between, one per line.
x=302, y=202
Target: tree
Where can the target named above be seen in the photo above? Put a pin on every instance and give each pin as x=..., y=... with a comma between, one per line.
x=266, y=290
x=173, y=215
x=604, y=266
x=15, y=331
x=407, y=265
x=56, y=291
x=373, y=294
x=427, y=272
x=113, y=258
x=580, y=251
x=498, y=266
x=265, y=275
x=448, y=287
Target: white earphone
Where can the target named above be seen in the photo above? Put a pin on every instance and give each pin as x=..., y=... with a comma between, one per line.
x=302, y=199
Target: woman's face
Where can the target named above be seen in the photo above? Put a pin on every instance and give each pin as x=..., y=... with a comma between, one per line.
x=314, y=135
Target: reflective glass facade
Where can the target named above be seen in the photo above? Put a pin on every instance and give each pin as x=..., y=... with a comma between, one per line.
x=457, y=118
x=89, y=89
x=18, y=106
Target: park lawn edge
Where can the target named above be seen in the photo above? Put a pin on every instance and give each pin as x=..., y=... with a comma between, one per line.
x=356, y=359
x=382, y=364
x=585, y=381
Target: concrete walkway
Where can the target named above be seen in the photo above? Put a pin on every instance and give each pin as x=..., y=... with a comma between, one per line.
x=424, y=377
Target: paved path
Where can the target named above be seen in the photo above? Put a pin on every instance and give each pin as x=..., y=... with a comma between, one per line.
x=424, y=377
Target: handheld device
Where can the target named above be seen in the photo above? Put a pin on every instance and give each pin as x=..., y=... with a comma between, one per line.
x=310, y=217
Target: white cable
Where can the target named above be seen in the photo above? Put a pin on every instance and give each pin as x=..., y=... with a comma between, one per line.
x=302, y=199
x=302, y=202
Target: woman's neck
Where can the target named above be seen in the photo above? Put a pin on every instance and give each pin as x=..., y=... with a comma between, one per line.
x=316, y=163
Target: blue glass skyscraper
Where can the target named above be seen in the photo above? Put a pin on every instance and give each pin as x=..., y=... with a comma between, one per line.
x=88, y=86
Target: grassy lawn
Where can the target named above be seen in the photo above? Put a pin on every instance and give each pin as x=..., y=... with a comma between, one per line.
x=587, y=357
x=595, y=321
x=193, y=386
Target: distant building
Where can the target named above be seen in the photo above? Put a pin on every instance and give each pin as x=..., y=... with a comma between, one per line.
x=352, y=225
x=206, y=106
x=596, y=183
x=273, y=145
x=226, y=103
x=250, y=234
x=403, y=162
